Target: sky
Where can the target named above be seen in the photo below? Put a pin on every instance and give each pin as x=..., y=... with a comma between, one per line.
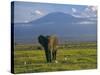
x=25, y=12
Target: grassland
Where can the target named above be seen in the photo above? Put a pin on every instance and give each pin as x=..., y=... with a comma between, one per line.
x=30, y=58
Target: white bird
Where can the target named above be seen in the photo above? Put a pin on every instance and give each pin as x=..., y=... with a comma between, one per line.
x=56, y=61
x=65, y=58
x=25, y=63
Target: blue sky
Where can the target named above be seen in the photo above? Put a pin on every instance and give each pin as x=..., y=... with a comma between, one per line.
x=29, y=11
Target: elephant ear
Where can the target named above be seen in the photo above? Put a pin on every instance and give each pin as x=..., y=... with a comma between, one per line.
x=43, y=40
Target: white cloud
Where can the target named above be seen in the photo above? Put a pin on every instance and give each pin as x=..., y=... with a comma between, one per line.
x=93, y=19
x=89, y=11
x=86, y=22
x=93, y=8
x=74, y=10
x=77, y=15
x=26, y=21
x=38, y=12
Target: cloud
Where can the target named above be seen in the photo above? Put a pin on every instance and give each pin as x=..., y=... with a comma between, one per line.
x=78, y=15
x=89, y=11
x=86, y=22
x=92, y=8
x=74, y=10
x=38, y=12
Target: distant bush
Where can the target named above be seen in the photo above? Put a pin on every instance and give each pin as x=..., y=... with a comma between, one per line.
x=35, y=48
x=39, y=48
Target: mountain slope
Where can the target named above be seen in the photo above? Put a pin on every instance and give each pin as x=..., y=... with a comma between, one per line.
x=57, y=17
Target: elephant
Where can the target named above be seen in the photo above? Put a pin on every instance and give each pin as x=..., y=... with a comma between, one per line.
x=49, y=43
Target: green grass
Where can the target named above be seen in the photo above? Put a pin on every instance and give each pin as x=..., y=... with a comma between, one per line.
x=34, y=60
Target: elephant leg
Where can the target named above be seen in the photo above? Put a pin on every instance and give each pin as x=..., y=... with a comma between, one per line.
x=49, y=56
x=46, y=54
x=51, y=52
x=53, y=55
x=55, y=52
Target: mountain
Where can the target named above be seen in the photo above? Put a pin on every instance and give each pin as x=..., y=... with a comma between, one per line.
x=65, y=26
x=57, y=17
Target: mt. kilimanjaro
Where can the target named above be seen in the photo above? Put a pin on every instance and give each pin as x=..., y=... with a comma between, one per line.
x=58, y=17
x=63, y=25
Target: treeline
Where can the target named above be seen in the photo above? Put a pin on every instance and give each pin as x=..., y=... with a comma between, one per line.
x=66, y=45
x=28, y=47
x=78, y=45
